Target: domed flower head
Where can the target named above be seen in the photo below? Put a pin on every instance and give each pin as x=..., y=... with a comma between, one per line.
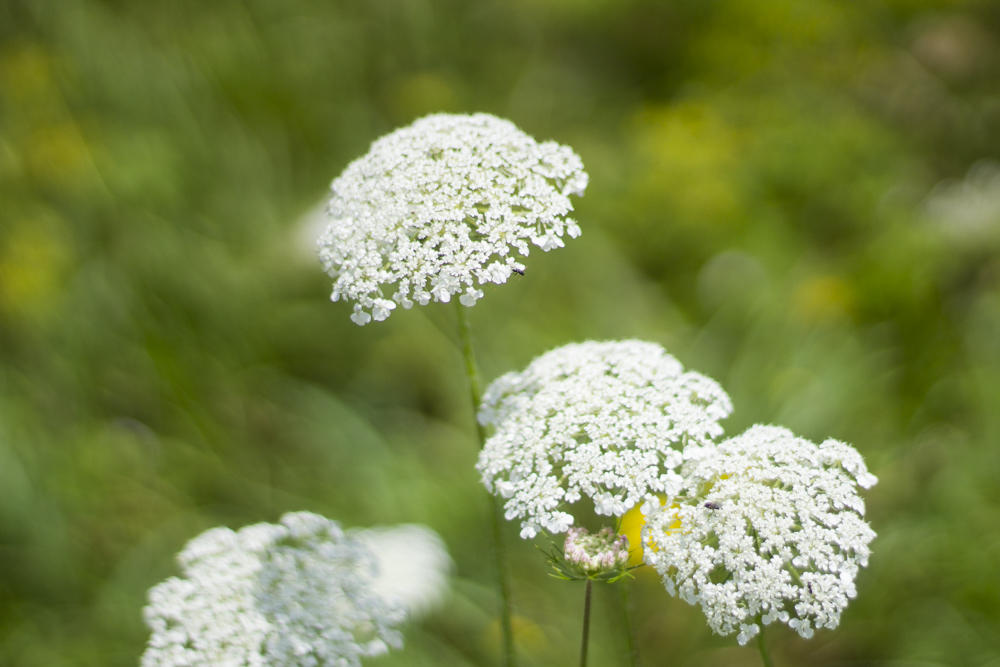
x=611, y=421
x=770, y=528
x=436, y=208
x=296, y=594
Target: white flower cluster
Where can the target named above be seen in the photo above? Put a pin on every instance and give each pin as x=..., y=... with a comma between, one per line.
x=609, y=420
x=969, y=210
x=769, y=528
x=595, y=554
x=296, y=594
x=436, y=208
x=413, y=565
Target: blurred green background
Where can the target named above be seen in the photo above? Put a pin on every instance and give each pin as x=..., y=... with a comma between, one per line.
x=794, y=196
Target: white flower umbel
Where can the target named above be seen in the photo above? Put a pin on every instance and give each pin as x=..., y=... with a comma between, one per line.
x=608, y=420
x=435, y=209
x=413, y=565
x=296, y=594
x=769, y=528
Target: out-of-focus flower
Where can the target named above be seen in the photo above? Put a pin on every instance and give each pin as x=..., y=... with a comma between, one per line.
x=306, y=232
x=296, y=594
x=33, y=260
x=954, y=48
x=969, y=210
x=769, y=528
x=435, y=208
x=413, y=565
x=609, y=420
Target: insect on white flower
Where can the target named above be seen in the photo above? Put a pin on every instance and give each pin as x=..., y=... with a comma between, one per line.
x=435, y=209
x=297, y=594
x=767, y=529
x=608, y=420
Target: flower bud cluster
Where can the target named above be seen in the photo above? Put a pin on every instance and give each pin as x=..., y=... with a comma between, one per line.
x=595, y=554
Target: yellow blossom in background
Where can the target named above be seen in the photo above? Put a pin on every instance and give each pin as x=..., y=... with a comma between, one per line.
x=57, y=153
x=822, y=299
x=631, y=527
x=26, y=76
x=32, y=261
x=528, y=636
x=690, y=156
x=44, y=136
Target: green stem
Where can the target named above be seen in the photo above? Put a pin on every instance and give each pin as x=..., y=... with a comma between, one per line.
x=503, y=592
x=633, y=654
x=762, y=645
x=471, y=368
x=586, y=623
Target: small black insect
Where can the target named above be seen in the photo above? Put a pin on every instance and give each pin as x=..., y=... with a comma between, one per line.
x=519, y=272
x=810, y=587
x=713, y=506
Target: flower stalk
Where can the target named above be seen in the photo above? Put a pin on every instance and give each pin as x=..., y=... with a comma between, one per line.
x=503, y=589
x=633, y=654
x=586, y=622
x=762, y=645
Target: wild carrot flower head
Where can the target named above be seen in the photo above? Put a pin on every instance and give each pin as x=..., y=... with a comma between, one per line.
x=435, y=209
x=769, y=528
x=611, y=421
x=295, y=594
x=597, y=553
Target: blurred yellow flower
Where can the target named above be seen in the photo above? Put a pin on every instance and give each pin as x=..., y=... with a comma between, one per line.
x=528, y=636
x=31, y=264
x=57, y=153
x=822, y=299
x=631, y=527
x=42, y=134
x=26, y=75
x=691, y=157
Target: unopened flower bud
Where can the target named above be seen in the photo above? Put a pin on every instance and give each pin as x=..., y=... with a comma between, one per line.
x=595, y=554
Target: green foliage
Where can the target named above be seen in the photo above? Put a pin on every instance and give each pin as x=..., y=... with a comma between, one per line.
x=760, y=172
